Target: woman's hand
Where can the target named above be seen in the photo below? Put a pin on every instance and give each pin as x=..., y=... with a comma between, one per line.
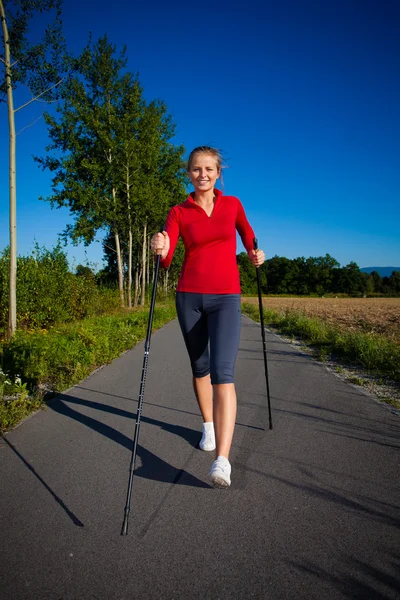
x=257, y=257
x=160, y=244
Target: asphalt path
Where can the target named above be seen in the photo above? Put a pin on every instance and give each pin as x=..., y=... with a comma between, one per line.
x=313, y=510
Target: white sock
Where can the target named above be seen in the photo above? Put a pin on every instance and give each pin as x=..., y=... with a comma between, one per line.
x=208, y=426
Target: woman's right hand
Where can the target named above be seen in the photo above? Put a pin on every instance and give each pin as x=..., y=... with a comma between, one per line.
x=160, y=244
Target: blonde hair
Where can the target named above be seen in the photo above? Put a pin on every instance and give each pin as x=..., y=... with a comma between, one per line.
x=214, y=152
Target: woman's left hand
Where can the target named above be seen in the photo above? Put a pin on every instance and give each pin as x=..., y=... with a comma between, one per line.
x=257, y=257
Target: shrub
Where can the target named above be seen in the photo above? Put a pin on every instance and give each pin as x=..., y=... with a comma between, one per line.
x=48, y=293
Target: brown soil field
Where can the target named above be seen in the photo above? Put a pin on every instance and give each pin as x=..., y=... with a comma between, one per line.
x=377, y=315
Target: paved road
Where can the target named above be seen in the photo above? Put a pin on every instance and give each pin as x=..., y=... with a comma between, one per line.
x=313, y=511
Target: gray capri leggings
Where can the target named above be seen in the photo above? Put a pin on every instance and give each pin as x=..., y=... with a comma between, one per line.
x=214, y=319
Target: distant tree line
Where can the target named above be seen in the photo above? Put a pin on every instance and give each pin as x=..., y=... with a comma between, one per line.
x=301, y=276
x=314, y=276
x=48, y=292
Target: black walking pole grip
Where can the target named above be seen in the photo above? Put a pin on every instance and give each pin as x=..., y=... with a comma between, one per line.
x=255, y=246
x=124, y=530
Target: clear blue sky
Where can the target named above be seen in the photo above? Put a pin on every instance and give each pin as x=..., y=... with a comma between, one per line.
x=302, y=96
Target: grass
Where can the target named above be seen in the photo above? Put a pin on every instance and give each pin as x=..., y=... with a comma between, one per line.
x=54, y=359
x=44, y=361
x=372, y=351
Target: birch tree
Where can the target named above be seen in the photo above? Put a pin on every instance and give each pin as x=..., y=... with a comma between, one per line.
x=162, y=175
x=84, y=148
x=131, y=110
x=151, y=178
x=113, y=162
x=39, y=66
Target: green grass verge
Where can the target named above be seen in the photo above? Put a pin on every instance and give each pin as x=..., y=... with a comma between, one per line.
x=62, y=356
x=55, y=359
x=373, y=352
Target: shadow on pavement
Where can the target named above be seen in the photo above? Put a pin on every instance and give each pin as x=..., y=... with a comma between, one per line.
x=152, y=466
x=357, y=585
x=69, y=512
x=337, y=497
x=163, y=406
x=297, y=354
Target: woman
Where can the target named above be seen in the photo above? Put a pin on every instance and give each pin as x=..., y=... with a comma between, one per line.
x=208, y=297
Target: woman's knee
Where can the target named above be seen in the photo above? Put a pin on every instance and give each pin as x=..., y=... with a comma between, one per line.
x=222, y=372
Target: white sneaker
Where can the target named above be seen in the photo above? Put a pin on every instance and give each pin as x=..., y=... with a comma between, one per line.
x=207, y=442
x=221, y=473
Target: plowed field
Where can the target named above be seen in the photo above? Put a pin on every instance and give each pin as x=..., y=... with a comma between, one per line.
x=378, y=315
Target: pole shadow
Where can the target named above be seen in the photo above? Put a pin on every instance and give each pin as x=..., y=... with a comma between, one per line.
x=179, y=410
x=152, y=467
x=59, y=501
x=361, y=580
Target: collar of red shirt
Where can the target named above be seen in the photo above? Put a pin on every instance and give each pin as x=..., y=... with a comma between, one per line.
x=217, y=193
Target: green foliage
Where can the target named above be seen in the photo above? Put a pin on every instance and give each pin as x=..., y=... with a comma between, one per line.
x=247, y=272
x=48, y=293
x=372, y=351
x=394, y=281
x=14, y=400
x=111, y=156
x=83, y=144
x=63, y=355
x=281, y=275
x=314, y=276
x=350, y=280
x=176, y=266
x=38, y=65
x=85, y=271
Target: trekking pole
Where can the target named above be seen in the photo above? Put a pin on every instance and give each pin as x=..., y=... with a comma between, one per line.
x=141, y=395
x=255, y=243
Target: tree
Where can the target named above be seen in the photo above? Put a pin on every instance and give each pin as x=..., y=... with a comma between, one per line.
x=162, y=174
x=38, y=66
x=84, y=271
x=127, y=165
x=320, y=273
x=367, y=284
x=153, y=179
x=386, y=289
x=84, y=147
x=298, y=276
x=278, y=274
x=113, y=163
x=394, y=282
x=376, y=279
x=248, y=279
x=350, y=280
x=171, y=275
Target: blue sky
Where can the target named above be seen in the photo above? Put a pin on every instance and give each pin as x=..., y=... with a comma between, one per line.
x=301, y=96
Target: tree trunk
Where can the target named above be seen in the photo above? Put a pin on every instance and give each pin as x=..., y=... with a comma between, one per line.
x=148, y=260
x=12, y=310
x=130, y=270
x=144, y=248
x=128, y=200
x=149, y=255
x=120, y=271
x=136, y=297
x=166, y=283
x=138, y=275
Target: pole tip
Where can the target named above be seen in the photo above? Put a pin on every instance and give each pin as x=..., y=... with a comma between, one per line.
x=124, y=530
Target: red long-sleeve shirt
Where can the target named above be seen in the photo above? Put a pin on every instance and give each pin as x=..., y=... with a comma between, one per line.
x=209, y=266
